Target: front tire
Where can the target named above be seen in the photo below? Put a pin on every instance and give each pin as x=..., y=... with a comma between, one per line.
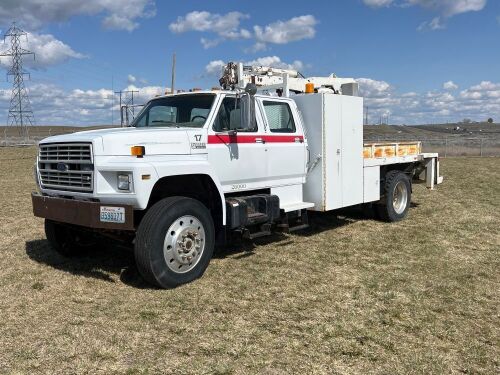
x=397, y=197
x=174, y=242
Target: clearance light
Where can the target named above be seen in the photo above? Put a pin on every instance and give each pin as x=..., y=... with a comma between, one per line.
x=138, y=151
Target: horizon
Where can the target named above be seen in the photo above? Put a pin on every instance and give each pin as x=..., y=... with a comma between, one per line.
x=417, y=62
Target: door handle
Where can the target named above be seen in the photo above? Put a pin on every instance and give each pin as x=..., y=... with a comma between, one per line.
x=298, y=140
x=259, y=140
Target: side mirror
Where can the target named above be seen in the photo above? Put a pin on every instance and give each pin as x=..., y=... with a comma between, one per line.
x=247, y=108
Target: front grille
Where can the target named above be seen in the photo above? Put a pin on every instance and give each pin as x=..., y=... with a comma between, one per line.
x=66, y=152
x=66, y=166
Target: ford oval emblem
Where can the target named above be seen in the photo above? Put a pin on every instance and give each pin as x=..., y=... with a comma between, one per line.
x=62, y=167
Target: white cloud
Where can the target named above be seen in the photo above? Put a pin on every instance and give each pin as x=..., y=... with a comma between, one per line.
x=478, y=102
x=131, y=79
x=227, y=27
x=214, y=68
x=206, y=21
x=283, y=32
x=435, y=24
x=48, y=51
x=378, y=3
x=449, y=8
x=146, y=92
x=55, y=105
x=450, y=85
x=209, y=43
x=445, y=9
x=276, y=62
x=485, y=86
x=119, y=15
x=373, y=88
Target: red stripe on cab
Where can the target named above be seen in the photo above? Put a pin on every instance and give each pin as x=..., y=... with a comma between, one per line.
x=244, y=138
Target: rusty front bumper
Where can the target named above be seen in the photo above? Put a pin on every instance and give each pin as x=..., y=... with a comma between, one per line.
x=84, y=213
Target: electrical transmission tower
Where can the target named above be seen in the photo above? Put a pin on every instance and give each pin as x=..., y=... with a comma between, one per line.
x=127, y=107
x=20, y=112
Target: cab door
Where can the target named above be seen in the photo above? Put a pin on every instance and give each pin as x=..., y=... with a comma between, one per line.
x=238, y=156
x=285, y=142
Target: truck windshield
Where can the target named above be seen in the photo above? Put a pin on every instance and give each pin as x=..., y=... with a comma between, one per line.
x=176, y=111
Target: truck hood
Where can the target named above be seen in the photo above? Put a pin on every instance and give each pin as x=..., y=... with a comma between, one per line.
x=157, y=141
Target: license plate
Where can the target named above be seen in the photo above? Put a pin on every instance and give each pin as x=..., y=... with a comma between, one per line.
x=112, y=214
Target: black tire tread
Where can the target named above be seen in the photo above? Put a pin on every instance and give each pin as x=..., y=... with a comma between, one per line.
x=143, y=233
x=383, y=211
x=143, y=244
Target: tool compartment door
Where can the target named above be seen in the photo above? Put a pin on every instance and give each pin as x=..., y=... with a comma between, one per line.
x=343, y=150
x=332, y=151
x=352, y=150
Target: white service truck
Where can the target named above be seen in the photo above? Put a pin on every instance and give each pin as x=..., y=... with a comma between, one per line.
x=197, y=168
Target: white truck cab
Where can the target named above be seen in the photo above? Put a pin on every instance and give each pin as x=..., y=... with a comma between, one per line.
x=198, y=168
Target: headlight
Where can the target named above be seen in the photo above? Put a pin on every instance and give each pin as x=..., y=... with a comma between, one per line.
x=124, y=182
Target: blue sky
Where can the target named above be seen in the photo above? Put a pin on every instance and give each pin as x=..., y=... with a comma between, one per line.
x=416, y=60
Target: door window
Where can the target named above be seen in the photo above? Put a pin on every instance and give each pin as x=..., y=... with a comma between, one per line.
x=229, y=117
x=279, y=117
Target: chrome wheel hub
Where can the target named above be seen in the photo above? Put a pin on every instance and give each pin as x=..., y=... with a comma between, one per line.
x=400, y=197
x=184, y=244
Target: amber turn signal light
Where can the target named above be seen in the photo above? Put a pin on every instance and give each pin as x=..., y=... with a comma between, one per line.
x=138, y=151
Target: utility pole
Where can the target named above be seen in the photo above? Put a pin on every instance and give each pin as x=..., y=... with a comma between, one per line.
x=173, y=74
x=112, y=101
x=127, y=102
x=20, y=112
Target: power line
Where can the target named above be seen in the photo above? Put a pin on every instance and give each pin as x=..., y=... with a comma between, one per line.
x=20, y=112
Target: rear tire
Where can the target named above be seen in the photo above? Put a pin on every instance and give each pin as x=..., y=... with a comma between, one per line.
x=175, y=242
x=397, y=197
x=69, y=241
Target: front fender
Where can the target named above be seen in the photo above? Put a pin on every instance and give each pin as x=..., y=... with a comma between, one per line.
x=189, y=165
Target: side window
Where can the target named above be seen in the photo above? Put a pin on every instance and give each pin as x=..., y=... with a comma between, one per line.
x=279, y=117
x=228, y=117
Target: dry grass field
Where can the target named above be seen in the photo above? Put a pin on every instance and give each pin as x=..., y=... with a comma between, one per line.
x=349, y=296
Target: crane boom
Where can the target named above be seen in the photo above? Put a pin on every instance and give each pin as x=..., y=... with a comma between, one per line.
x=266, y=78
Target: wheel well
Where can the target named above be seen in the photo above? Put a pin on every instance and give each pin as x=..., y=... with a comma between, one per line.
x=196, y=186
x=407, y=168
